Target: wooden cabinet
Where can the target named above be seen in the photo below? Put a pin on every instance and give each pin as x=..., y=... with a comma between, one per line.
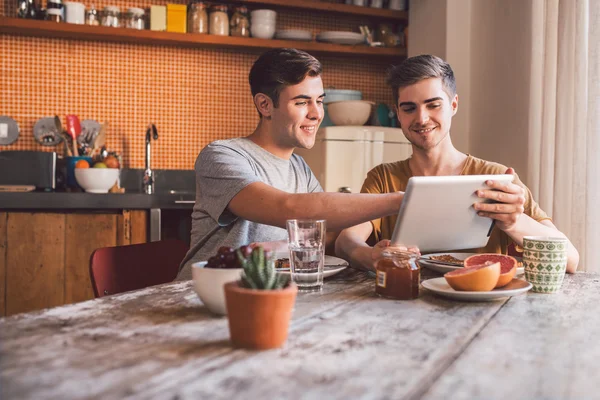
x=44, y=257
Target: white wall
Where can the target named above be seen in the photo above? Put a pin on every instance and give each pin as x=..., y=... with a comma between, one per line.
x=487, y=42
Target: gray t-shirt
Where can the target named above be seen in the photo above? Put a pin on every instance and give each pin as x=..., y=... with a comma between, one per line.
x=225, y=167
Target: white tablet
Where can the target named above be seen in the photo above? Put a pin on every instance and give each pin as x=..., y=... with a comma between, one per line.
x=437, y=213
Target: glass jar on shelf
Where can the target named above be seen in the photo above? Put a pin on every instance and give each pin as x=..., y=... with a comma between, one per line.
x=54, y=14
x=218, y=21
x=135, y=18
x=111, y=16
x=92, y=17
x=398, y=275
x=240, y=24
x=197, y=17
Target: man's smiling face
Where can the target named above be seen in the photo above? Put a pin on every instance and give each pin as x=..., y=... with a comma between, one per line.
x=299, y=114
x=425, y=112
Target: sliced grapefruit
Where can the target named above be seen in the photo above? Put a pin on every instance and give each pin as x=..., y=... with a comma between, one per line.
x=508, y=265
x=477, y=278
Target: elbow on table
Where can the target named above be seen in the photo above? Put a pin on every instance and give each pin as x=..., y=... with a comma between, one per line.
x=572, y=262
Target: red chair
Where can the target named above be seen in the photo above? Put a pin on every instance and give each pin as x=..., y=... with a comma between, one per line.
x=124, y=268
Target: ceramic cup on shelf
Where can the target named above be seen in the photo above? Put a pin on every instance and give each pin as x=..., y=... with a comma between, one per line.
x=545, y=262
x=74, y=12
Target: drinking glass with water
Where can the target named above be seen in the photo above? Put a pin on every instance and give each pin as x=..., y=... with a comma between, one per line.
x=306, y=240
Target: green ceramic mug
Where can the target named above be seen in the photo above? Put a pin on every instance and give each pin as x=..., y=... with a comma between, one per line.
x=545, y=262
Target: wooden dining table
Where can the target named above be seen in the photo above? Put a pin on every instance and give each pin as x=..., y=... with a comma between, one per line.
x=344, y=342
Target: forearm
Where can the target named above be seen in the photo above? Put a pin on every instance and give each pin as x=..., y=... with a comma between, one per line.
x=342, y=210
x=264, y=204
x=527, y=226
x=351, y=246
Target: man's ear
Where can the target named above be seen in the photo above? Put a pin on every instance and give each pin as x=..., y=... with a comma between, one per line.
x=454, y=105
x=263, y=104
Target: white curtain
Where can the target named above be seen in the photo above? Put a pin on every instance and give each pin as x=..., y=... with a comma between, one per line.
x=564, y=141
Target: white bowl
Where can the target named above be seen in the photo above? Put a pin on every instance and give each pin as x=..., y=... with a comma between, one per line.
x=332, y=95
x=349, y=112
x=262, y=31
x=264, y=15
x=209, y=282
x=96, y=180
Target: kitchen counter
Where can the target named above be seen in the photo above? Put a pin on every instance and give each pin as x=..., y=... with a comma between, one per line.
x=174, y=189
x=88, y=201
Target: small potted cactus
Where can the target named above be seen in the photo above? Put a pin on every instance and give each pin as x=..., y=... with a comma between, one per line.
x=259, y=306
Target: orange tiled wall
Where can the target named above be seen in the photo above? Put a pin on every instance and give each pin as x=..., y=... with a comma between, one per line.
x=194, y=96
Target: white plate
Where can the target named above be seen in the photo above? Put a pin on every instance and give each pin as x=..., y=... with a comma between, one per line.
x=333, y=265
x=447, y=268
x=293, y=34
x=341, y=37
x=440, y=287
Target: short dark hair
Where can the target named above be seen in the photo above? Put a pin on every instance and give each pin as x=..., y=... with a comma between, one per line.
x=279, y=68
x=415, y=69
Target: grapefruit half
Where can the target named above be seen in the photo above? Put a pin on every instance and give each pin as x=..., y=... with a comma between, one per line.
x=477, y=278
x=508, y=265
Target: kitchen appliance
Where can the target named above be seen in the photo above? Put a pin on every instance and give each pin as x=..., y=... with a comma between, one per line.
x=28, y=168
x=342, y=155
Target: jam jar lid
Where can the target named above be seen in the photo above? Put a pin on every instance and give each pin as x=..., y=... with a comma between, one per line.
x=392, y=253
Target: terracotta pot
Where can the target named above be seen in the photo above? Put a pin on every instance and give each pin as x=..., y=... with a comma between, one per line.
x=259, y=319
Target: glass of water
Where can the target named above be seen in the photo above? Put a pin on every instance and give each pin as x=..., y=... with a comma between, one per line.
x=306, y=239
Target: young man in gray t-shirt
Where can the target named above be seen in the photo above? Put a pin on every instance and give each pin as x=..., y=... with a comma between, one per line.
x=246, y=188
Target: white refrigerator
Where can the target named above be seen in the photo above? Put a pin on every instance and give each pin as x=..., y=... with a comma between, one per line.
x=343, y=155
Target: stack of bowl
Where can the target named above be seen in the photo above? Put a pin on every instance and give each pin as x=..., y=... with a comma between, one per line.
x=262, y=24
x=332, y=95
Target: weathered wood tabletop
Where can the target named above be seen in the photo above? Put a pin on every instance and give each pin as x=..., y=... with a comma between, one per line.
x=344, y=342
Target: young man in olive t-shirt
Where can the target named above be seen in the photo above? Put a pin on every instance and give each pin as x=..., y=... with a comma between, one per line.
x=424, y=91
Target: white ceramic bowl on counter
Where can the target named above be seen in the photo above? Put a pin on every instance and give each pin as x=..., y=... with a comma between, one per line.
x=349, y=112
x=96, y=180
x=209, y=282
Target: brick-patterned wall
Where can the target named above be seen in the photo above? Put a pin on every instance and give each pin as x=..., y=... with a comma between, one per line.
x=194, y=96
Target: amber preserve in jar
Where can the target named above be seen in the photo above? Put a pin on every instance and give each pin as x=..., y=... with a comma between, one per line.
x=398, y=275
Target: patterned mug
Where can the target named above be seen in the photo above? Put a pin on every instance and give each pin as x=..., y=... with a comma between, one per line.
x=545, y=262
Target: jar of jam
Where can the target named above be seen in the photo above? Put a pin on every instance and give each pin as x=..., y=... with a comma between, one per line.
x=398, y=275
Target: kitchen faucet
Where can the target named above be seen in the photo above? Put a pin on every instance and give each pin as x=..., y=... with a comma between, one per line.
x=148, y=181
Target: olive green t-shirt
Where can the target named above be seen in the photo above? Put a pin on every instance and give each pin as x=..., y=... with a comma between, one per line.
x=393, y=177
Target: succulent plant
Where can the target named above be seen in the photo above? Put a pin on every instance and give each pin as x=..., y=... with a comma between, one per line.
x=259, y=271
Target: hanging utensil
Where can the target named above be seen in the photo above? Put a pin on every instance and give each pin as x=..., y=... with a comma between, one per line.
x=100, y=139
x=74, y=130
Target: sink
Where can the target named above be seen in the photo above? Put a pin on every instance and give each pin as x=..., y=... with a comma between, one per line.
x=169, y=182
x=174, y=187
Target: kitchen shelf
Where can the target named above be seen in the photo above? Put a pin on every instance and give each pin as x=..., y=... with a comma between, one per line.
x=27, y=27
x=336, y=8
